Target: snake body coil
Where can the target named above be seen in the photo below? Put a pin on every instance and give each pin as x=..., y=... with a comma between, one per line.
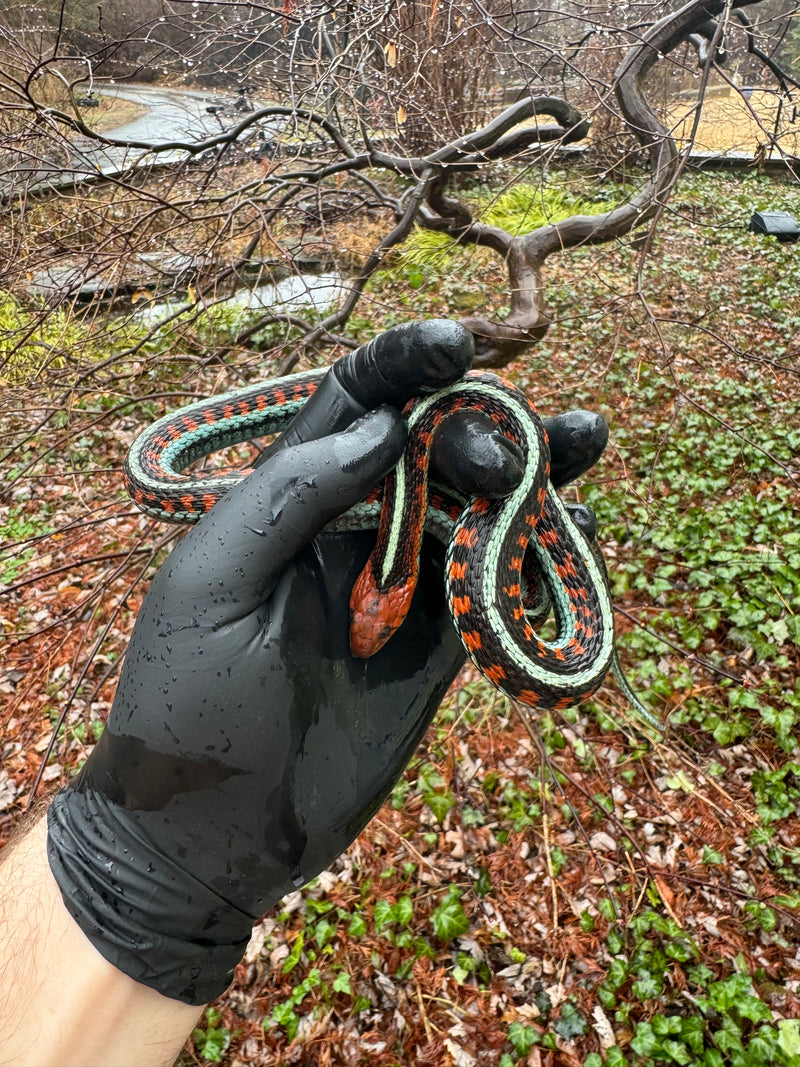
x=499, y=552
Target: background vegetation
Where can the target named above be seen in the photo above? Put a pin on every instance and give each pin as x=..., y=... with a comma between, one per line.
x=563, y=891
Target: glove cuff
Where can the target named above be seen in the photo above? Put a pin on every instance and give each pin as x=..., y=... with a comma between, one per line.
x=143, y=913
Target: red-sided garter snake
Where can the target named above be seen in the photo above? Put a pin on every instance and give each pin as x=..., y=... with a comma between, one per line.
x=496, y=549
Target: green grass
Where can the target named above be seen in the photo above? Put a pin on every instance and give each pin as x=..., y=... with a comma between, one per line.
x=518, y=209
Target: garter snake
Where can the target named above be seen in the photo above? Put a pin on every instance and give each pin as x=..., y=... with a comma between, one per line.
x=499, y=552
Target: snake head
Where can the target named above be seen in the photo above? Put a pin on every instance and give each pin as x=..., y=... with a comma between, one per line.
x=375, y=614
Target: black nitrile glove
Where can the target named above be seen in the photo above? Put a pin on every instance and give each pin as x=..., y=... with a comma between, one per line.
x=246, y=747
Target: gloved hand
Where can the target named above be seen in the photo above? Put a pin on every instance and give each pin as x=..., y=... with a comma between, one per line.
x=246, y=747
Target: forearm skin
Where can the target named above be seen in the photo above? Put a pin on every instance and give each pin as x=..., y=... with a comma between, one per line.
x=62, y=1004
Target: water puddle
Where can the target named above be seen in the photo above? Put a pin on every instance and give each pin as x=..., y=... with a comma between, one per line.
x=298, y=292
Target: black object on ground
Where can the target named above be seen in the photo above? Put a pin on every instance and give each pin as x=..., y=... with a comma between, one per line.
x=778, y=224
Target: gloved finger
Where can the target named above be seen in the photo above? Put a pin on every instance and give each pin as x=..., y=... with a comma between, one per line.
x=472, y=456
x=406, y=360
x=585, y=519
x=243, y=544
x=577, y=440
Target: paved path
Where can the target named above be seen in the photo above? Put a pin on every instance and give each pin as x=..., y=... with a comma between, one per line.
x=171, y=115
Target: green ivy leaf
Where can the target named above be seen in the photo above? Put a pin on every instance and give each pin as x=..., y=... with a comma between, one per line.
x=358, y=926
x=676, y=1051
x=617, y=973
x=440, y=804
x=523, y=1038
x=383, y=915
x=404, y=911
x=483, y=883
x=211, y=1043
x=324, y=932
x=664, y=1025
x=572, y=1023
x=615, y=1057
x=586, y=921
x=286, y=1017
x=644, y=1041
x=710, y=855
x=293, y=958
x=646, y=987
x=753, y=1008
x=317, y=907
x=449, y=919
x=789, y=1039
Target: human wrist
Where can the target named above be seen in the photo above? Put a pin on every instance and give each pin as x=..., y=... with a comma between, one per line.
x=63, y=1003
x=138, y=906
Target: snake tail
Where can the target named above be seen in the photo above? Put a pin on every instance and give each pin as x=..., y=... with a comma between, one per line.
x=640, y=710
